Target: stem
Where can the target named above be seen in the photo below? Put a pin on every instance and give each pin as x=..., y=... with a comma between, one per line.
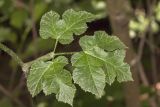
x=65, y=53
x=25, y=66
x=48, y=56
x=12, y=54
x=55, y=45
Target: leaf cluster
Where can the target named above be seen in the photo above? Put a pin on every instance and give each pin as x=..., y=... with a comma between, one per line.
x=101, y=60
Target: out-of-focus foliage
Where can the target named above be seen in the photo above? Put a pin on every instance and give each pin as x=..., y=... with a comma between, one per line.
x=5, y=102
x=6, y=6
x=18, y=18
x=7, y=35
x=94, y=6
x=157, y=12
x=38, y=10
x=38, y=46
x=140, y=23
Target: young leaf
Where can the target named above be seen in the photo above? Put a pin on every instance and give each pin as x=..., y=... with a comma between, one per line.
x=72, y=22
x=51, y=77
x=101, y=54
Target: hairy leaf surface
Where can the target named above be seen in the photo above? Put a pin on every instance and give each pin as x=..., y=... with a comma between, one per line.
x=51, y=77
x=102, y=54
x=88, y=73
x=72, y=22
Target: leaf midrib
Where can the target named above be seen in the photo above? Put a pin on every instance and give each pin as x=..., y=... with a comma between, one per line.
x=91, y=74
x=41, y=77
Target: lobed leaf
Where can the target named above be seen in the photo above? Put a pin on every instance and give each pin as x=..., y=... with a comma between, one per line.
x=72, y=22
x=101, y=61
x=51, y=77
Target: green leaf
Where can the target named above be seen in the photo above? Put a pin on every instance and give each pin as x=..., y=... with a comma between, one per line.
x=72, y=22
x=102, y=54
x=88, y=73
x=102, y=40
x=108, y=43
x=51, y=77
x=115, y=67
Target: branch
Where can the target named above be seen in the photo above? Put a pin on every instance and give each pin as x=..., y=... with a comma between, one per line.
x=46, y=57
x=26, y=66
x=12, y=54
